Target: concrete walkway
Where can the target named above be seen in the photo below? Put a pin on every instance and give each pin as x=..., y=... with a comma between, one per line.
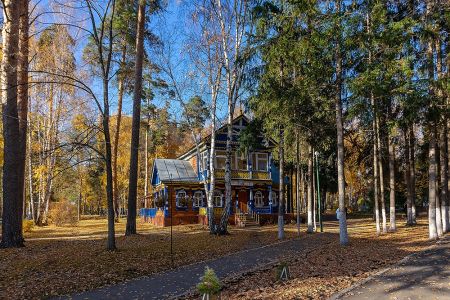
x=181, y=280
x=425, y=275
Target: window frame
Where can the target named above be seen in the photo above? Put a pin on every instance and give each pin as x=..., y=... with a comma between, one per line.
x=216, y=195
x=258, y=159
x=177, y=198
x=201, y=201
x=274, y=198
x=259, y=195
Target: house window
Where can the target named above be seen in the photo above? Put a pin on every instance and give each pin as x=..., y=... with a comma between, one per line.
x=218, y=199
x=182, y=198
x=197, y=200
x=261, y=161
x=259, y=199
x=242, y=161
x=274, y=199
x=220, y=159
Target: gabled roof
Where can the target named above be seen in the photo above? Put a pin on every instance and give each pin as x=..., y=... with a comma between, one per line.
x=174, y=170
x=222, y=130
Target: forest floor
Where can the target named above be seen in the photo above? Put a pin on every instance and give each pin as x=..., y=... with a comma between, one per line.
x=74, y=258
x=320, y=272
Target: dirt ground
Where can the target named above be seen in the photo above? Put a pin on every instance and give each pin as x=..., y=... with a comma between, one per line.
x=62, y=260
x=322, y=271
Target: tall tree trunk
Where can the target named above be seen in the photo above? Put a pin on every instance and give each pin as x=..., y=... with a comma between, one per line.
x=12, y=181
x=343, y=235
x=30, y=169
x=147, y=177
x=391, y=149
x=432, y=169
x=281, y=192
x=211, y=161
x=381, y=171
x=412, y=172
x=297, y=180
x=432, y=185
x=223, y=228
x=314, y=194
x=438, y=190
x=136, y=123
x=310, y=228
x=375, y=166
x=117, y=135
x=111, y=243
x=22, y=97
x=443, y=144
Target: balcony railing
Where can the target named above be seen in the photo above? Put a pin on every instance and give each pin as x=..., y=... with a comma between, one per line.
x=235, y=174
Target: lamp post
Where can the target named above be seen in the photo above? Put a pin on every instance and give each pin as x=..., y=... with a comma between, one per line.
x=318, y=192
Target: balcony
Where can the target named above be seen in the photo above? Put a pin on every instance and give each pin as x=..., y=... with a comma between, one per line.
x=245, y=175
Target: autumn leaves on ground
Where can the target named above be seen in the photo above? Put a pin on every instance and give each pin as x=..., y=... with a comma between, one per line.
x=64, y=260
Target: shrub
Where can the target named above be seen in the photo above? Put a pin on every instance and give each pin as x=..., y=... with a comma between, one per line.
x=210, y=283
x=27, y=225
x=63, y=213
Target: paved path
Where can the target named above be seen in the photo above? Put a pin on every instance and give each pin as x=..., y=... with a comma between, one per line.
x=425, y=275
x=180, y=280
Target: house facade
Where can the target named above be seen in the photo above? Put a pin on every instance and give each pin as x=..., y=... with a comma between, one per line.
x=178, y=185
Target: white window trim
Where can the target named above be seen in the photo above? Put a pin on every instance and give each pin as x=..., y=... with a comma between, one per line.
x=274, y=198
x=178, y=197
x=198, y=201
x=216, y=195
x=266, y=159
x=259, y=195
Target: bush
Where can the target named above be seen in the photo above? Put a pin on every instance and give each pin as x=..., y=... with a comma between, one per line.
x=63, y=213
x=27, y=225
x=210, y=284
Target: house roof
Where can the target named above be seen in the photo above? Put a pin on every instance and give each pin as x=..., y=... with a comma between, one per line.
x=175, y=170
x=221, y=129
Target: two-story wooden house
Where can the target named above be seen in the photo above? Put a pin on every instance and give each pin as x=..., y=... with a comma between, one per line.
x=178, y=185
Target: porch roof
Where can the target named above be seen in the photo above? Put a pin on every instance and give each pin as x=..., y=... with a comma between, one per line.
x=175, y=170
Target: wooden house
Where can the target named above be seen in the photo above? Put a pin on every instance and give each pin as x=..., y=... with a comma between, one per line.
x=179, y=184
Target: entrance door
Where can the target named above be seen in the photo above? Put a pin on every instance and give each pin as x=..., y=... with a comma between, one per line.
x=243, y=200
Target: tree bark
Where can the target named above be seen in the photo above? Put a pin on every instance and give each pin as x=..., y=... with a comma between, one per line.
x=412, y=173
x=310, y=228
x=375, y=166
x=281, y=188
x=297, y=180
x=432, y=169
x=381, y=171
x=12, y=181
x=343, y=235
x=136, y=123
x=443, y=145
x=117, y=135
x=432, y=185
x=391, y=149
